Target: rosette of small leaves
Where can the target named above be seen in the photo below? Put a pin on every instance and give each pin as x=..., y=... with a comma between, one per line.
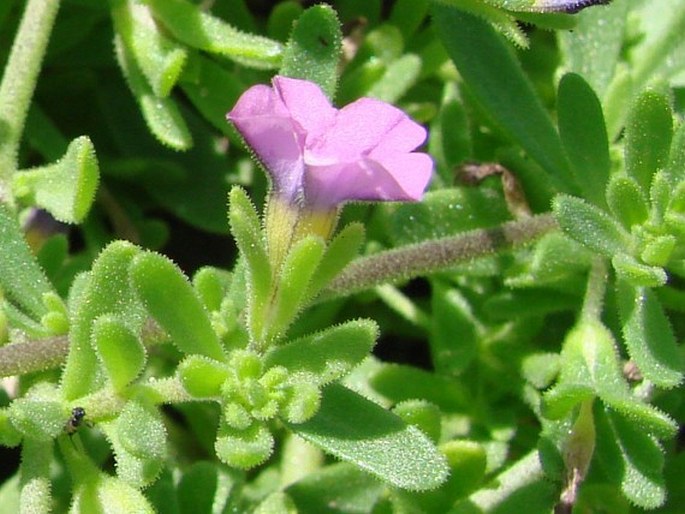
x=637, y=224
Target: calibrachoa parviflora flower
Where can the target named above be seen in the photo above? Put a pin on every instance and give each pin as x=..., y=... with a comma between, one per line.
x=319, y=157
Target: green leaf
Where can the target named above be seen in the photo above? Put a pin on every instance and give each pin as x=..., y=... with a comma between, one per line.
x=314, y=48
x=138, y=439
x=162, y=116
x=244, y=449
x=194, y=27
x=104, y=290
x=121, y=352
x=636, y=273
x=649, y=130
x=281, y=19
x=399, y=76
x=421, y=414
x=399, y=383
x=631, y=458
x=626, y=200
x=21, y=280
x=38, y=418
x=327, y=355
x=347, y=487
x=66, y=188
x=584, y=135
x=339, y=253
x=590, y=367
x=454, y=338
x=590, y=226
x=211, y=286
x=213, y=90
x=495, y=78
x=247, y=231
x=160, y=59
x=523, y=487
x=202, y=377
x=168, y=296
x=298, y=267
x=204, y=484
x=359, y=431
x=596, y=29
x=108, y=495
x=141, y=431
x=649, y=337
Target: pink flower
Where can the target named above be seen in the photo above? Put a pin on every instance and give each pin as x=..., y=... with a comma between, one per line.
x=320, y=157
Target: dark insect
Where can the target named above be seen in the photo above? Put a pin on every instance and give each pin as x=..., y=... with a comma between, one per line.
x=75, y=421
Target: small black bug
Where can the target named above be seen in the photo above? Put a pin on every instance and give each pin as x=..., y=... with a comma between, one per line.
x=75, y=421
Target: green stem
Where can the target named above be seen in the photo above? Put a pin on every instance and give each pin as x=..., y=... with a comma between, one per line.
x=364, y=273
x=36, y=457
x=596, y=287
x=19, y=82
x=437, y=255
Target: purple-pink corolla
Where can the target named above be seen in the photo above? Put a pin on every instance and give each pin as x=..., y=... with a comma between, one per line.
x=319, y=157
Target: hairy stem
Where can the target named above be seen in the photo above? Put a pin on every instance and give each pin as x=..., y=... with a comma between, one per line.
x=39, y=355
x=19, y=81
x=364, y=273
x=596, y=288
x=436, y=255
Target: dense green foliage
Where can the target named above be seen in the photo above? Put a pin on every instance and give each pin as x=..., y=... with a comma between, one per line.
x=511, y=343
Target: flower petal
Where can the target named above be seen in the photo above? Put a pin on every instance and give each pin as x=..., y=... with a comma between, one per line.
x=402, y=178
x=267, y=127
x=306, y=103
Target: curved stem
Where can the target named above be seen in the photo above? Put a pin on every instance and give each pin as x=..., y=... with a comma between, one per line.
x=596, y=288
x=38, y=355
x=364, y=273
x=19, y=81
x=436, y=255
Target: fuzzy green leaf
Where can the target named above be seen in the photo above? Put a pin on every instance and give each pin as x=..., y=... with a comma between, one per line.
x=339, y=253
x=454, y=332
x=494, y=76
x=202, y=377
x=361, y=432
x=160, y=59
x=244, y=449
x=631, y=458
x=66, y=188
x=121, y=352
x=649, y=337
x=298, y=267
x=104, y=290
x=649, y=130
x=247, y=231
x=213, y=89
x=626, y=200
x=590, y=226
x=399, y=383
x=22, y=281
x=168, y=296
x=327, y=355
x=198, y=29
x=38, y=418
x=314, y=48
x=582, y=130
x=636, y=273
x=590, y=367
x=162, y=116
x=348, y=487
x=212, y=285
x=138, y=439
x=108, y=495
